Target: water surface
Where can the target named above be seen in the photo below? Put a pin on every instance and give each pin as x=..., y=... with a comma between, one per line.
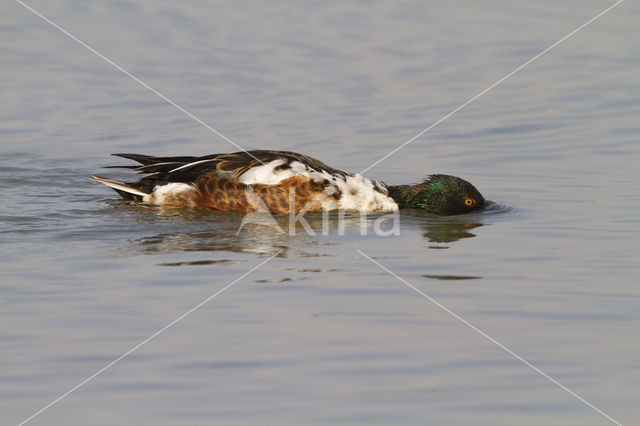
x=319, y=334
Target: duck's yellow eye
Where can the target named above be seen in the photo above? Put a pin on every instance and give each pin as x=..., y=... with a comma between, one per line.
x=468, y=202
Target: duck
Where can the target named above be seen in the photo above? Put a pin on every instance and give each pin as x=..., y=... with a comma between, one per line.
x=282, y=182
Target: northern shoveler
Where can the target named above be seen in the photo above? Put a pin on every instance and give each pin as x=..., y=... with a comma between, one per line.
x=280, y=182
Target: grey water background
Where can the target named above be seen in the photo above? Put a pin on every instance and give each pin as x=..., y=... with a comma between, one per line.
x=319, y=334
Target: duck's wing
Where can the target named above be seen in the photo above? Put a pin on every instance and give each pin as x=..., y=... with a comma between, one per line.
x=249, y=167
x=271, y=167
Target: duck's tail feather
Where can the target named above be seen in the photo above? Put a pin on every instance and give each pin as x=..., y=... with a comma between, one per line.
x=125, y=190
x=146, y=160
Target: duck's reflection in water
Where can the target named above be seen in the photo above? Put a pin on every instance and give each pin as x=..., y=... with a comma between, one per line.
x=186, y=230
x=442, y=230
x=449, y=232
x=449, y=229
x=192, y=230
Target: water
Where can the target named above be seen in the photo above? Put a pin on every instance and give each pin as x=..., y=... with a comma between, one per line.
x=319, y=334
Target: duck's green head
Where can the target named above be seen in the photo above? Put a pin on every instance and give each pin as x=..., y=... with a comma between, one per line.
x=439, y=194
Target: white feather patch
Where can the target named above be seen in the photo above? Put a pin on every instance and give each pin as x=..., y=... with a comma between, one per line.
x=161, y=194
x=360, y=193
x=266, y=174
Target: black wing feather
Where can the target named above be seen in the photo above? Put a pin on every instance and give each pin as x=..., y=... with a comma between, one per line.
x=187, y=169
